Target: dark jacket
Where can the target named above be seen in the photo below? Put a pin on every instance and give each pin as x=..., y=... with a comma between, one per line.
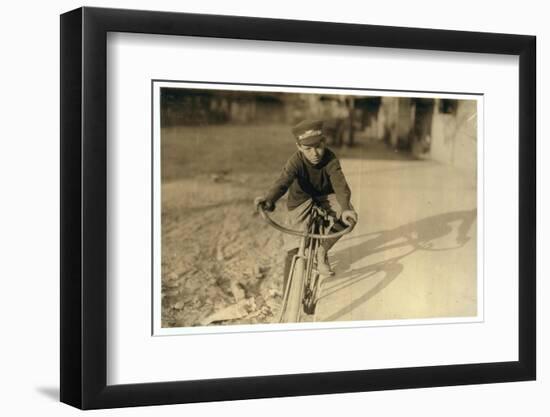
x=304, y=181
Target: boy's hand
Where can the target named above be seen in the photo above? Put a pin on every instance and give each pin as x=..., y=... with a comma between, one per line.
x=267, y=205
x=349, y=217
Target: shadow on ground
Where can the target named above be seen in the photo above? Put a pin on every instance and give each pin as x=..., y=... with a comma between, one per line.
x=419, y=235
x=50, y=392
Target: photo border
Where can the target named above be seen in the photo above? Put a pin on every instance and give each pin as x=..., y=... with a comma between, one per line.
x=83, y=216
x=156, y=328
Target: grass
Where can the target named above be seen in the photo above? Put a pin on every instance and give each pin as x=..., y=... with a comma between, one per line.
x=192, y=151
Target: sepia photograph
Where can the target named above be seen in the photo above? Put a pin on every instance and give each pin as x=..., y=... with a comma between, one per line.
x=278, y=205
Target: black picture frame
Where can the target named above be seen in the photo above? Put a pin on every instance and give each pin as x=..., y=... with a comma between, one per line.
x=84, y=207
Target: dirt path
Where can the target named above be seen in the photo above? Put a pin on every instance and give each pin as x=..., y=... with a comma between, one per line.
x=413, y=252
x=221, y=264
x=412, y=255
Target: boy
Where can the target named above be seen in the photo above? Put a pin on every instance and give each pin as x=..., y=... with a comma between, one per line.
x=312, y=175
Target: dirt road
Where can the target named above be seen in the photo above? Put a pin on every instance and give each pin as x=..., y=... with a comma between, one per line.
x=413, y=252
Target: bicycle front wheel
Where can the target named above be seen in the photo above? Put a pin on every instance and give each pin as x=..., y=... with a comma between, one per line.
x=291, y=313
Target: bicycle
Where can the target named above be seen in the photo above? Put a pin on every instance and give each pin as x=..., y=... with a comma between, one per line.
x=303, y=284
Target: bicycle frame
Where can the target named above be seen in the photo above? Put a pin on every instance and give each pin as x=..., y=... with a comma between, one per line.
x=302, y=268
x=303, y=282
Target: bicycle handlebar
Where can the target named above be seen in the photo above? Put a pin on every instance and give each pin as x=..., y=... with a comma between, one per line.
x=283, y=229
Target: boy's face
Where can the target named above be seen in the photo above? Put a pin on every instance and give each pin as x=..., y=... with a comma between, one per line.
x=313, y=153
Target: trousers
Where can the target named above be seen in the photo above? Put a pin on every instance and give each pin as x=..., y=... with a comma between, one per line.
x=297, y=219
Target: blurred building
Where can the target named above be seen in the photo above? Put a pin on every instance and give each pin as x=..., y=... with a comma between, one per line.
x=441, y=129
x=454, y=133
x=191, y=107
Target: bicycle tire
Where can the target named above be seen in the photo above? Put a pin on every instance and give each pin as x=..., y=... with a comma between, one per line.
x=293, y=307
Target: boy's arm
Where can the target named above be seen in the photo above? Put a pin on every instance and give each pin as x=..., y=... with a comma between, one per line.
x=339, y=185
x=279, y=188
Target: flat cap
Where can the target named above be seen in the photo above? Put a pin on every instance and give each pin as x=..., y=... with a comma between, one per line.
x=308, y=132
